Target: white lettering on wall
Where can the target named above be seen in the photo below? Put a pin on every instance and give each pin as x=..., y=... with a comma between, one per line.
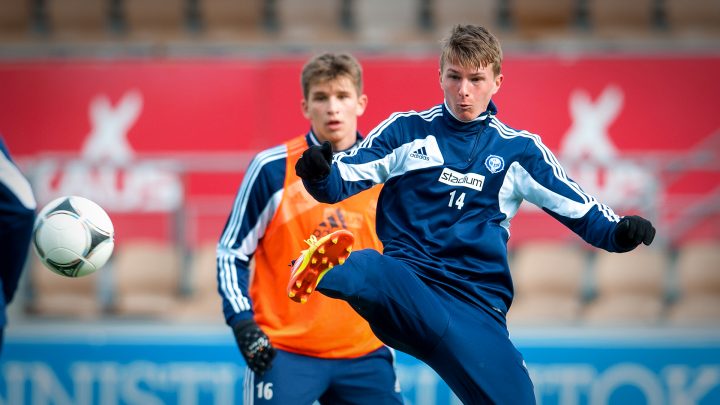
x=145, y=186
x=110, y=383
x=196, y=383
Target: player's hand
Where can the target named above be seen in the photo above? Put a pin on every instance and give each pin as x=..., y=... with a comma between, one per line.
x=254, y=346
x=314, y=164
x=633, y=230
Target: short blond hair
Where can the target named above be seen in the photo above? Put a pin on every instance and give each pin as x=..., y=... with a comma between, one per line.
x=329, y=66
x=471, y=46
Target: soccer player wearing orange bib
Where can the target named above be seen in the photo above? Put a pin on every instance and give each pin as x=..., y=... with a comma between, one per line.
x=322, y=350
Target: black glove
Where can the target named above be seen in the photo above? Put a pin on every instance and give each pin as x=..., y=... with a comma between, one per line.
x=254, y=346
x=314, y=164
x=633, y=230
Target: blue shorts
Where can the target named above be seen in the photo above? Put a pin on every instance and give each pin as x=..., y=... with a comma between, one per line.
x=465, y=344
x=298, y=379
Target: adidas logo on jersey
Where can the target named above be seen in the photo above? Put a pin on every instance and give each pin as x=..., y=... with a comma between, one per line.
x=338, y=218
x=420, y=154
x=333, y=221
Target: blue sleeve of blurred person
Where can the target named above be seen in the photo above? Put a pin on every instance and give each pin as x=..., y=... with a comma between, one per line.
x=255, y=205
x=17, y=215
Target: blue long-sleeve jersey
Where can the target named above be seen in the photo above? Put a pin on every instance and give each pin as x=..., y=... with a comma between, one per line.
x=17, y=215
x=451, y=189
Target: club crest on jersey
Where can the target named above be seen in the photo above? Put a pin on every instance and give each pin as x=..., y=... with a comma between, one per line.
x=494, y=163
x=470, y=180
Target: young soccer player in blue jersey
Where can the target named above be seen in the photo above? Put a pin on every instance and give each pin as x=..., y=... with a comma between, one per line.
x=454, y=177
x=17, y=215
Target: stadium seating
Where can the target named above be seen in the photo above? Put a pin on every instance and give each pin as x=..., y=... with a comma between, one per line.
x=146, y=279
x=78, y=19
x=156, y=19
x=620, y=18
x=56, y=296
x=232, y=19
x=450, y=12
x=202, y=303
x=698, y=281
x=541, y=18
x=382, y=22
x=15, y=18
x=693, y=17
x=548, y=281
x=630, y=288
x=375, y=23
x=316, y=21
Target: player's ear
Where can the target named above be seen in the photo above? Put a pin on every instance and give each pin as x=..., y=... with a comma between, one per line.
x=361, y=104
x=305, y=108
x=498, y=81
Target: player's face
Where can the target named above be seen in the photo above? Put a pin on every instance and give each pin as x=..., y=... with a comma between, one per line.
x=468, y=90
x=333, y=107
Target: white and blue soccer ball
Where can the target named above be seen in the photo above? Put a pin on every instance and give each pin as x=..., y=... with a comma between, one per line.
x=73, y=236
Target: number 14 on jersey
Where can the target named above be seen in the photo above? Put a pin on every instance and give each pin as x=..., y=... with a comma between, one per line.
x=459, y=202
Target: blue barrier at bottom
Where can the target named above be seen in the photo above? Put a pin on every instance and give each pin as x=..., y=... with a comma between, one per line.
x=116, y=364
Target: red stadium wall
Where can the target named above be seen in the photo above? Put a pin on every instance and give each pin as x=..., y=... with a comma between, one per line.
x=155, y=140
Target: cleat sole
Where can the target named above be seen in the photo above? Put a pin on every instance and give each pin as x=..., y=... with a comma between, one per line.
x=311, y=266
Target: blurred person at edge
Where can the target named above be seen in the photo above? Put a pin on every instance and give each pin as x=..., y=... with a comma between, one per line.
x=322, y=351
x=17, y=216
x=454, y=176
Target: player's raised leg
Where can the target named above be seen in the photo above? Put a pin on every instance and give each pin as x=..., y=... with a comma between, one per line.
x=433, y=326
x=400, y=308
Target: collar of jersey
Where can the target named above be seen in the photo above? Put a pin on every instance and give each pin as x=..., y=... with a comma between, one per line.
x=473, y=125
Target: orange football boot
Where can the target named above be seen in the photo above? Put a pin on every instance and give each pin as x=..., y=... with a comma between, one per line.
x=322, y=255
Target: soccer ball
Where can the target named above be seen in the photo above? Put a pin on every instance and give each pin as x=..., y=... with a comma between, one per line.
x=73, y=236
